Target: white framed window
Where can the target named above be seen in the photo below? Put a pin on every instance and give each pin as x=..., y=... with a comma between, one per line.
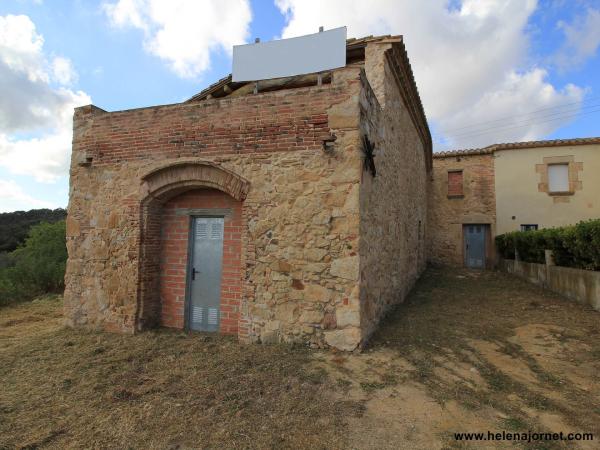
x=558, y=178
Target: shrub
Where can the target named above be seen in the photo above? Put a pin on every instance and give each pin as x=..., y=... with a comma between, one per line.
x=5, y=260
x=573, y=246
x=37, y=267
x=504, y=246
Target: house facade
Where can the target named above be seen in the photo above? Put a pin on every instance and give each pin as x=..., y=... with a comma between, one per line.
x=478, y=194
x=547, y=186
x=275, y=211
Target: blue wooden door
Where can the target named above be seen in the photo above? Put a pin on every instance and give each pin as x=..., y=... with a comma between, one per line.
x=475, y=237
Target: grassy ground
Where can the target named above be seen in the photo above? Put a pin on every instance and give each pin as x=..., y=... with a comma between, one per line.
x=71, y=389
x=467, y=352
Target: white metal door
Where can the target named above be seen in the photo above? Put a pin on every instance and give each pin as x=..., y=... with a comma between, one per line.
x=205, y=269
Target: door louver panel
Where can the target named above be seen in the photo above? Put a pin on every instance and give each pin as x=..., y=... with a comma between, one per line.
x=201, y=230
x=197, y=314
x=213, y=316
x=216, y=230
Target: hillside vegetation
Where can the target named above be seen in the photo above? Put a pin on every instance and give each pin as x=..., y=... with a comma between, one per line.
x=37, y=267
x=15, y=226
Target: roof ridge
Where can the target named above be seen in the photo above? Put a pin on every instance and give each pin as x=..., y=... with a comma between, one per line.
x=518, y=145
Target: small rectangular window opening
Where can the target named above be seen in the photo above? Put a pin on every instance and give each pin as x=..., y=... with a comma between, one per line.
x=529, y=227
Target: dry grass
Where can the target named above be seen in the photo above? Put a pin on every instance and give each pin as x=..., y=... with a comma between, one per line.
x=71, y=389
x=468, y=351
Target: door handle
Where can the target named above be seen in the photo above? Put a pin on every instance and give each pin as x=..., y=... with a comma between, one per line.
x=194, y=272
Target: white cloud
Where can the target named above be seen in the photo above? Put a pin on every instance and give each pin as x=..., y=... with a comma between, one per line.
x=582, y=39
x=12, y=198
x=44, y=158
x=185, y=32
x=36, y=108
x=467, y=56
x=504, y=114
x=63, y=70
x=21, y=46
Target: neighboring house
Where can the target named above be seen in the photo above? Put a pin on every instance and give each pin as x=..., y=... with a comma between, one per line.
x=461, y=207
x=255, y=212
x=478, y=194
x=547, y=184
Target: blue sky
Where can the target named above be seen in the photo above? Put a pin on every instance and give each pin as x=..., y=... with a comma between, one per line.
x=488, y=70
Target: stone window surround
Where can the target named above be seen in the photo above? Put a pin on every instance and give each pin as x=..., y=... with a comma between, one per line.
x=455, y=196
x=575, y=183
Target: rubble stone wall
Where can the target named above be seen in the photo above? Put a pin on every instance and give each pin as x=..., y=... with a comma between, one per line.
x=448, y=213
x=393, y=203
x=300, y=215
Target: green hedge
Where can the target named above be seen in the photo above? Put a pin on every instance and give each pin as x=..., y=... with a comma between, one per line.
x=575, y=246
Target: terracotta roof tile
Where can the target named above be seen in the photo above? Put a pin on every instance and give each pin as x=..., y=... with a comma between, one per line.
x=518, y=145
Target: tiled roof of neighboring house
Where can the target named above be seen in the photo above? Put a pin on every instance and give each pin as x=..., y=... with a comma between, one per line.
x=518, y=145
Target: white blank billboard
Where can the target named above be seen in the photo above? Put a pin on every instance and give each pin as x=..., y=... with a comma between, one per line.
x=287, y=57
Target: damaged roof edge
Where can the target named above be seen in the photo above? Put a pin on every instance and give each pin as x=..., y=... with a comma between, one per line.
x=352, y=45
x=518, y=145
x=403, y=74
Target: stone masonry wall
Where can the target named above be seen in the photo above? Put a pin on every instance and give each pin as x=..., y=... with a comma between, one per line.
x=393, y=204
x=300, y=215
x=448, y=213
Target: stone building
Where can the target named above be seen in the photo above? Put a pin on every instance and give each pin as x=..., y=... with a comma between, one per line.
x=480, y=193
x=290, y=210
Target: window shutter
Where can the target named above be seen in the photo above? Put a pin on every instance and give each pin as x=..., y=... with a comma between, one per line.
x=558, y=178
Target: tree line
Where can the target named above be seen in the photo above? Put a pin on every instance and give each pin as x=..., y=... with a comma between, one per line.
x=35, y=254
x=14, y=226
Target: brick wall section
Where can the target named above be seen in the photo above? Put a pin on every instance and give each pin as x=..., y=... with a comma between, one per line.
x=173, y=265
x=282, y=121
x=448, y=214
x=455, y=183
x=174, y=257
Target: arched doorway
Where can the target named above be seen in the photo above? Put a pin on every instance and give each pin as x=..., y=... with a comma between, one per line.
x=178, y=200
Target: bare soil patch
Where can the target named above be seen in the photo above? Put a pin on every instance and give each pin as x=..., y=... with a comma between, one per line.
x=472, y=352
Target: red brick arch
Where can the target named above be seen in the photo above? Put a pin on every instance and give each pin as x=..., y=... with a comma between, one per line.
x=182, y=175
x=158, y=186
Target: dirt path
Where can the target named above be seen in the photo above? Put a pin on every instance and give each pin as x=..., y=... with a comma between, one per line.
x=472, y=352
